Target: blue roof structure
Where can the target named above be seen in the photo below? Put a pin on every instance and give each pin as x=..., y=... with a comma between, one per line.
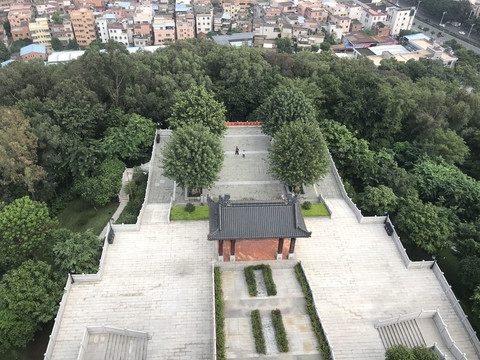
x=33, y=48
x=181, y=7
x=226, y=16
x=417, y=36
x=124, y=4
x=109, y=16
x=6, y=62
x=155, y=7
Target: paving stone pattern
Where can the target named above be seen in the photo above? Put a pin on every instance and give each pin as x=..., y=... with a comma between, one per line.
x=289, y=299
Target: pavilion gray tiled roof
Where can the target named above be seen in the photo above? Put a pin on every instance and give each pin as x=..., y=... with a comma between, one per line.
x=254, y=219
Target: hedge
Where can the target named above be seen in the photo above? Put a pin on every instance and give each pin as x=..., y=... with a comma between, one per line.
x=219, y=314
x=258, y=332
x=280, y=334
x=267, y=277
x=310, y=307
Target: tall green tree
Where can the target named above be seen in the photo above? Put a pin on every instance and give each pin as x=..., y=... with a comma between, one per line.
x=399, y=352
x=193, y=157
x=284, y=105
x=284, y=45
x=4, y=53
x=28, y=298
x=198, y=106
x=299, y=154
x=377, y=200
x=18, y=151
x=81, y=250
x=24, y=225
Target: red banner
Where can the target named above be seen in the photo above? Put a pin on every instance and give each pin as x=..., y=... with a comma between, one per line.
x=243, y=123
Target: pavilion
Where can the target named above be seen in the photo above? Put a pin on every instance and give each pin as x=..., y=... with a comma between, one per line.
x=251, y=221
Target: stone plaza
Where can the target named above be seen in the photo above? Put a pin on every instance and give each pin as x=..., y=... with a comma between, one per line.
x=157, y=279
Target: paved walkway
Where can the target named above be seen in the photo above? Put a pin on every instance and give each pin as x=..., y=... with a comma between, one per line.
x=161, y=188
x=156, y=280
x=289, y=299
x=358, y=277
x=246, y=178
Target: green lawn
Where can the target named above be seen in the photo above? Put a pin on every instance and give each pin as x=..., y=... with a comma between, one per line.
x=316, y=210
x=79, y=215
x=179, y=213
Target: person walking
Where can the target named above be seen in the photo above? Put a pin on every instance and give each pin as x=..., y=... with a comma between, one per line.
x=236, y=150
x=243, y=154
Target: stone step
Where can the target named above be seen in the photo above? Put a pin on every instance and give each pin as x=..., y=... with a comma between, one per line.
x=406, y=333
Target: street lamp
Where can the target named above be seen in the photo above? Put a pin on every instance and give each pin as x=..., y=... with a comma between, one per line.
x=471, y=27
x=442, y=17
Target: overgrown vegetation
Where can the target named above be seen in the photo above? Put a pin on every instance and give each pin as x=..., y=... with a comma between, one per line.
x=280, y=333
x=257, y=330
x=136, y=188
x=219, y=314
x=179, y=213
x=402, y=352
x=311, y=311
x=267, y=277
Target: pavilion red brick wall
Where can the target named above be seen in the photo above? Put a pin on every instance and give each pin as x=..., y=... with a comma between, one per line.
x=255, y=250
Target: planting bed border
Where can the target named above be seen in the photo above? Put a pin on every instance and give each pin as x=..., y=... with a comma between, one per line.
x=267, y=277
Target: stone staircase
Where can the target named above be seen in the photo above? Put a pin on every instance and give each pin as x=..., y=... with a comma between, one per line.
x=156, y=214
x=113, y=346
x=405, y=332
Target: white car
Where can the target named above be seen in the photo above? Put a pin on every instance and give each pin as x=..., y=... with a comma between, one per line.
x=461, y=32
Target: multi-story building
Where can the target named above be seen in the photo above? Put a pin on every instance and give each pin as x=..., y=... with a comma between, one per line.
x=185, y=26
x=63, y=32
x=40, y=33
x=102, y=26
x=231, y=7
x=33, y=51
x=334, y=8
x=20, y=32
x=245, y=4
x=119, y=32
x=370, y=17
x=143, y=14
x=316, y=13
x=204, y=18
x=20, y=13
x=342, y=21
x=400, y=19
x=354, y=11
x=83, y=23
x=163, y=29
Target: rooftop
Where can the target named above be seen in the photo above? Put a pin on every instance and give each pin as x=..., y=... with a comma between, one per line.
x=33, y=48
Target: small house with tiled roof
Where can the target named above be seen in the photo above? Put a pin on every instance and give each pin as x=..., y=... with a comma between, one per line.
x=33, y=51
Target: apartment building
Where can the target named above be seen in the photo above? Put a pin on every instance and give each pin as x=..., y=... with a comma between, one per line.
x=102, y=26
x=63, y=32
x=163, y=29
x=185, y=26
x=371, y=17
x=120, y=32
x=40, y=33
x=342, y=21
x=83, y=23
x=203, y=18
x=20, y=14
x=400, y=18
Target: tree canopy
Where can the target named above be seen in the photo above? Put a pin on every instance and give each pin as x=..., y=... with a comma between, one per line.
x=193, y=157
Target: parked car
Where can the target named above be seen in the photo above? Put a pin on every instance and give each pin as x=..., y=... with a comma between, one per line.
x=461, y=32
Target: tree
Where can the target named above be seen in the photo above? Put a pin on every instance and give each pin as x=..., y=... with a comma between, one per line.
x=449, y=145
x=377, y=200
x=4, y=53
x=284, y=45
x=399, y=352
x=57, y=44
x=72, y=44
x=77, y=249
x=193, y=157
x=23, y=228
x=424, y=353
x=18, y=146
x=284, y=105
x=325, y=46
x=28, y=298
x=103, y=185
x=130, y=137
x=299, y=154
x=469, y=270
x=18, y=44
x=198, y=106
x=57, y=19
x=369, y=32
x=476, y=301
x=426, y=225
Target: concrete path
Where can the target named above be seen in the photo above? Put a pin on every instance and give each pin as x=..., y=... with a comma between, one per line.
x=358, y=277
x=289, y=299
x=161, y=188
x=156, y=280
x=246, y=178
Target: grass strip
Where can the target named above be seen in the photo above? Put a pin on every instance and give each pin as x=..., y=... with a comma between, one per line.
x=280, y=334
x=310, y=307
x=179, y=213
x=257, y=329
x=267, y=278
x=316, y=210
x=219, y=314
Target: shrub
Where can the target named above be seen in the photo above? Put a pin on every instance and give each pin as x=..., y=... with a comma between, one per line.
x=267, y=277
x=190, y=208
x=280, y=334
x=258, y=332
x=424, y=353
x=307, y=205
x=317, y=326
x=219, y=314
x=399, y=352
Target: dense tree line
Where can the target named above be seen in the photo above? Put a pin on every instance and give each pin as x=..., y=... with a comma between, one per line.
x=405, y=136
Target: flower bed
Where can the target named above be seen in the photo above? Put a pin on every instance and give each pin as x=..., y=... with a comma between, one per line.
x=258, y=332
x=317, y=326
x=280, y=334
x=267, y=277
x=219, y=314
